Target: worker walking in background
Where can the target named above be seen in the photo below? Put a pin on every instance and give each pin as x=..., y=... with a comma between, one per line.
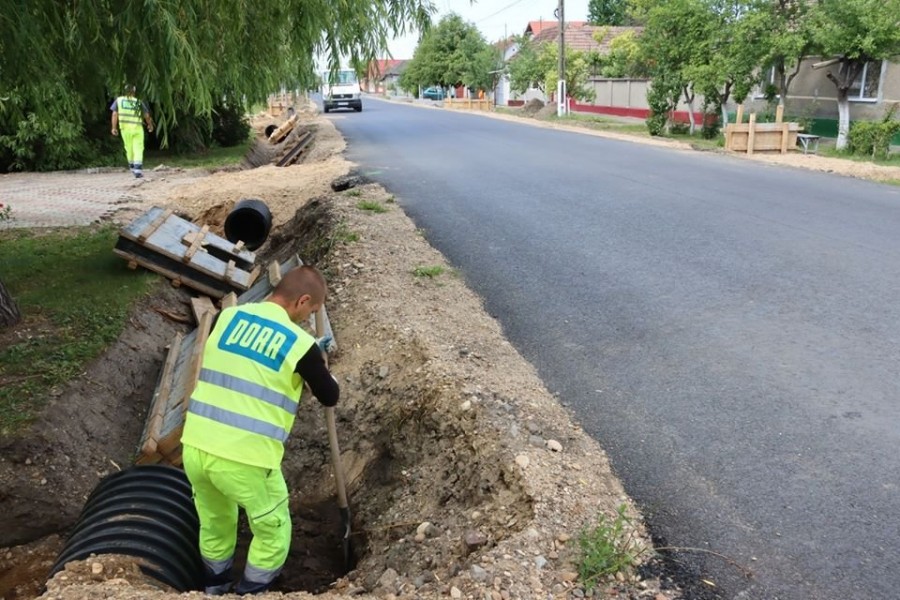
x=239, y=417
x=127, y=115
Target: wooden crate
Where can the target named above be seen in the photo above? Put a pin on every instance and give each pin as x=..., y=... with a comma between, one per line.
x=186, y=253
x=761, y=137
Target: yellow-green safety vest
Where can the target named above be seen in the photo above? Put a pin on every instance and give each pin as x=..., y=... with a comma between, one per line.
x=246, y=398
x=130, y=112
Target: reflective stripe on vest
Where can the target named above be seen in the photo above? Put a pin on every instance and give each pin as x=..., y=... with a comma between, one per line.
x=248, y=388
x=130, y=111
x=226, y=417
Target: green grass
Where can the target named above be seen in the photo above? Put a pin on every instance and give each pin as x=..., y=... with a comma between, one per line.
x=601, y=123
x=74, y=295
x=354, y=193
x=893, y=160
x=430, y=272
x=371, y=206
x=343, y=234
x=606, y=549
x=210, y=159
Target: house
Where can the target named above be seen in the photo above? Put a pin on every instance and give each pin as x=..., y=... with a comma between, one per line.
x=580, y=36
x=813, y=97
x=382, y=74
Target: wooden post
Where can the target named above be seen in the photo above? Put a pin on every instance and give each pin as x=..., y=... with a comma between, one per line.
x=779, y=113
x=751, y=134
x=785, y=136
x=740, y=114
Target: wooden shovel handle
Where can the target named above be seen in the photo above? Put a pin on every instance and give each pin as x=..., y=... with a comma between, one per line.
x=336, y=457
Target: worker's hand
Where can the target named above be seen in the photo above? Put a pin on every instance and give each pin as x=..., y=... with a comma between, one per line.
x=325, y=343
x=115, y=131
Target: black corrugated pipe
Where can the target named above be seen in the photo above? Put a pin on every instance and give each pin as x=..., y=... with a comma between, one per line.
x=250, y=221
x=146, y=512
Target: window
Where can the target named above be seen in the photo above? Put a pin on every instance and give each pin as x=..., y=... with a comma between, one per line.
x=768, y=77
x=865, y=88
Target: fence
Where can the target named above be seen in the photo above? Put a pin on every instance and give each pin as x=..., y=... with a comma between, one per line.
x=468, y=103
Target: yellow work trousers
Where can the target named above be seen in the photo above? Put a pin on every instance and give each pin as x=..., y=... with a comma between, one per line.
x=221, y=486
x=133, y=138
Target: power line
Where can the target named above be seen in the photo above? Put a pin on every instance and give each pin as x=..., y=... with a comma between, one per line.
x=499, y=11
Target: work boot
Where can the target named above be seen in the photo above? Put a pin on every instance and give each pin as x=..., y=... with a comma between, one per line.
x=218, y=584
x=245, y=587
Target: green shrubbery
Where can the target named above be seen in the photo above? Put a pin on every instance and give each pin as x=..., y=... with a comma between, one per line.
x=873, y=138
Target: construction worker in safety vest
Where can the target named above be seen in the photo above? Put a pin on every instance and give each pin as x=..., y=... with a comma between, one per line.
x=238, y=419
x=127, y=115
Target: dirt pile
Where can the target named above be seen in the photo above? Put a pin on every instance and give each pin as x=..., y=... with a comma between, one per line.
x=467, y=478
x=532, y=107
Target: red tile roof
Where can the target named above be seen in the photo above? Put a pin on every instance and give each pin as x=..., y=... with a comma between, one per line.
x=536, y=27
x=379, y=67
x=580, y=36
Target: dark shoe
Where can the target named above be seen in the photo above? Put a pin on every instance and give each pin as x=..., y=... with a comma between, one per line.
x=218, y=584
x=139, y=175
x=251, y=587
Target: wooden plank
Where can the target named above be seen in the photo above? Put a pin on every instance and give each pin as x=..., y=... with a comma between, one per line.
x=752, y=135
x=262, y=288
x=740, y=114
x=229, y=270
x=238, y=247
x=195, y=245
x=229, y=300
x=779, y=113
x=161, y=397
x=156, y=224
x=274, y=273
x=151, y=264
x=202, y=305
x=785, y=136
x=196, y=357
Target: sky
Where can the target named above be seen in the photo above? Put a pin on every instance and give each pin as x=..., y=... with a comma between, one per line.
x=494, y=18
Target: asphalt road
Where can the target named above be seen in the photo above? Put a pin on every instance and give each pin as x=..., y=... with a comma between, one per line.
x=728, y=331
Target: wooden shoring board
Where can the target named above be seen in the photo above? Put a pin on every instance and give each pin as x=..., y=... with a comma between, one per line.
x=160, y=399
x=167, y=239
x=263, y=287
x=283, y=130
x=295, y=152
x=201, y=305
x=177, y=271
x=172, y=416
x=179, y=404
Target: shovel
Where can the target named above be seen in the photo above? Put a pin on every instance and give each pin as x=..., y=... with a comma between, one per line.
x=339, y=483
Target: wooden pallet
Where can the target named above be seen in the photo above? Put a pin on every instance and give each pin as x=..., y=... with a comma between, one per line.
x=161, y=438
x=186, y=253
x=294, y=153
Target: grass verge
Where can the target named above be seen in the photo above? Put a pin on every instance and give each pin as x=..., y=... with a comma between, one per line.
x=429, y=272
x=74, y=295
x=209, y=159
x=371, y=206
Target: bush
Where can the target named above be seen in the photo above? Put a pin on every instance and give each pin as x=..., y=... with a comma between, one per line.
x=873, y=138
x=230, y=125
x=659, y=98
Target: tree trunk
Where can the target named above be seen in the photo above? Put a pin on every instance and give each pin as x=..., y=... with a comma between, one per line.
x=9, y=311
x=724, y=116
x=689, y=100
x=843, y=119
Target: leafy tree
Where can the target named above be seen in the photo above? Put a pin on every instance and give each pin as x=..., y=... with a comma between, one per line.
x=855, y=32
x=788, y=40
x=608, y=12
x=537, y=65
x=676, y=33
x=624, y=58
x=64, y=61
x=453, y=52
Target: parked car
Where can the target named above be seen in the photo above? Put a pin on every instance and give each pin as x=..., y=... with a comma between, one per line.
x=433, y=93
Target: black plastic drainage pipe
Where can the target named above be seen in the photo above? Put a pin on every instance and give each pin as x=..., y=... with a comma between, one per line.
x=250, y=221
x=146, y=512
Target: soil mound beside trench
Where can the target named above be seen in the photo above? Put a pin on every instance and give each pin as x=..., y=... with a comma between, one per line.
x=467, y=479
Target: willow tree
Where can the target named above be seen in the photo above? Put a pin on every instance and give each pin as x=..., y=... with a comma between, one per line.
x=65, y=59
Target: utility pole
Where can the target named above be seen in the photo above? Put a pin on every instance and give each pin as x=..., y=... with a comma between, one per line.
x=561, y=105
